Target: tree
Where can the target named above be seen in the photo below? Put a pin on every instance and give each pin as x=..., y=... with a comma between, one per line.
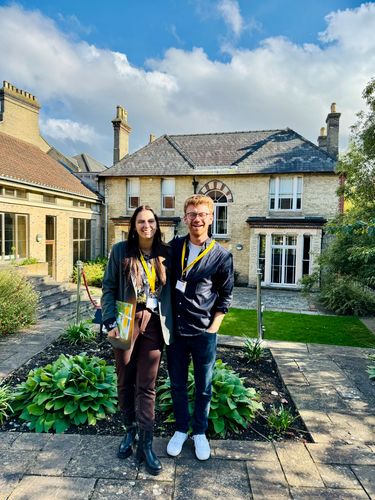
x=358, y=164
x=347, y=266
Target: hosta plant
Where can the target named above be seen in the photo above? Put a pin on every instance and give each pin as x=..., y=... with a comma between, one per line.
x=371, y=368
x=72, y=390
x=81, y=332
x=5, y=399
x=233, y=406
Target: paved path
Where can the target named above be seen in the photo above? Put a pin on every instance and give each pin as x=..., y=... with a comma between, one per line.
x=328, y=385
x=274, y=300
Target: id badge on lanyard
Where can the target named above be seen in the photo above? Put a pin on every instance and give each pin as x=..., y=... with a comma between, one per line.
x=152, y=303
x=181, y=285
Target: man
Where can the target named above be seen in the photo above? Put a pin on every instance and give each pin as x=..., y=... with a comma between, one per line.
x=203, y=283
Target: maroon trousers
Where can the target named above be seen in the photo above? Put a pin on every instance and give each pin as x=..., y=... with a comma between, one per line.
x=137, y=369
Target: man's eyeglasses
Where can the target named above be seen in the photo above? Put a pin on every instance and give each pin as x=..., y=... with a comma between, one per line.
x=194, y=215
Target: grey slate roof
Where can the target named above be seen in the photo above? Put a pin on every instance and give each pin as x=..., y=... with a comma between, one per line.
x=257, y=152
x=87, y=163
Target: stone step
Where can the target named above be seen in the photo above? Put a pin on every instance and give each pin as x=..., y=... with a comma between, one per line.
x=55, y=301
x=68, y=311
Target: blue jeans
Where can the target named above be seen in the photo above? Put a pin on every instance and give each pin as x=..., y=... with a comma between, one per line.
x=202, y=350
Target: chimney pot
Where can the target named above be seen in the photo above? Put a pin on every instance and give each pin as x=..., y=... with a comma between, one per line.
x=323, y=131
x=333, y=107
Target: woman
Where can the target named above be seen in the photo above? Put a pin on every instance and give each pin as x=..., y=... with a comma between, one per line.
x=137, y=270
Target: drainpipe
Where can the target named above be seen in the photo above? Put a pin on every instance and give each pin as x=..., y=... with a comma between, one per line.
x=195, y=185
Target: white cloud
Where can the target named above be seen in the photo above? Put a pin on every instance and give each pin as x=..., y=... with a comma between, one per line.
x=276, y=85
x=68, y=130
x=230, y=11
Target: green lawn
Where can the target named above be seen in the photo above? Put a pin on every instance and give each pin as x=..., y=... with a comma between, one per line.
x=335, y=330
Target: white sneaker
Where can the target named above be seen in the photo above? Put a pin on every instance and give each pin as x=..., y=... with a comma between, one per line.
x=176, y=443
x=202, y=447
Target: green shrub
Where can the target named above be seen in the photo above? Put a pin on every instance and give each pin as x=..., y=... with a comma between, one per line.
x=345, y=295
x=280, y=419
x=18, y=302
x=254, y=350
x=82, y=332
x=94, y=271
x=72, y=390
x=5, y=407
x=371, y=368
x=29, y=260
x=232, y=406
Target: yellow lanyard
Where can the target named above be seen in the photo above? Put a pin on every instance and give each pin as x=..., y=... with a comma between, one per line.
x=200, y=256
x=151, y=276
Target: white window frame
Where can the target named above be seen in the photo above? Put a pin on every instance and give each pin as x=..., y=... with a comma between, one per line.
x=284, y=247
x=133, y=190
x=168, y=188
x=274, y=194
x=217, y=206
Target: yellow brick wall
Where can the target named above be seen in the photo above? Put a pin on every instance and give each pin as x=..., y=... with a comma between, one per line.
x=64, y=213
x=250, y=199
x=21, y=120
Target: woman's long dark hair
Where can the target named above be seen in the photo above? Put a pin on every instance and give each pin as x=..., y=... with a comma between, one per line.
x=132, y=263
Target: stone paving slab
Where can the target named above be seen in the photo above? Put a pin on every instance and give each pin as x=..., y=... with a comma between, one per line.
x=267, y=480
x=53, y=488
x=96, y=457
x=366, y=475
x=244, y=450
x=338, y=476
x=299, y=468
x=214, y=478
x=108, y=489
x=15, y=461
x=7, y=439
x=341, y=454
x=326, y=493
x=31, y=441
x=8, y=482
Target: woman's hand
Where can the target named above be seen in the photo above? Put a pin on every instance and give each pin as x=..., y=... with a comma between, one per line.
x=114, y=333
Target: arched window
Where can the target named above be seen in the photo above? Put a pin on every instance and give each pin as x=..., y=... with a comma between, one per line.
x=221, y=196
x=220, y=223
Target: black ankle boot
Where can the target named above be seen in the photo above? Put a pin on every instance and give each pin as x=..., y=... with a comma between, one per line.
x=126, y=446
x=146, y=454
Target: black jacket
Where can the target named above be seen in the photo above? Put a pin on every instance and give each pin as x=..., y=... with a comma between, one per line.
x=116, y=286
x=209, y=287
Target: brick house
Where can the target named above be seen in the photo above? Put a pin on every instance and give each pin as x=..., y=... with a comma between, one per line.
x=46, y=212
x=273, y=191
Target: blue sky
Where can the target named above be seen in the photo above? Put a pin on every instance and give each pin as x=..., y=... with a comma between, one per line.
x=186, y=66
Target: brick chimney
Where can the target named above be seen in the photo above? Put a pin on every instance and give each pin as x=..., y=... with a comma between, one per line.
x=332, y=121
x=19, y=115
x=121, y=131
x=322, y=139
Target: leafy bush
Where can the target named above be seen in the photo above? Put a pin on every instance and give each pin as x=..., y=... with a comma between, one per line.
x=18, y=302
x=232, y=406
x=280, y=419
x=71, y=390
x=5, y=407
x=82, y=332
x=345, y=295
x=94, y=271
x=371, y=368
x=28, y=261
x=253, y=350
